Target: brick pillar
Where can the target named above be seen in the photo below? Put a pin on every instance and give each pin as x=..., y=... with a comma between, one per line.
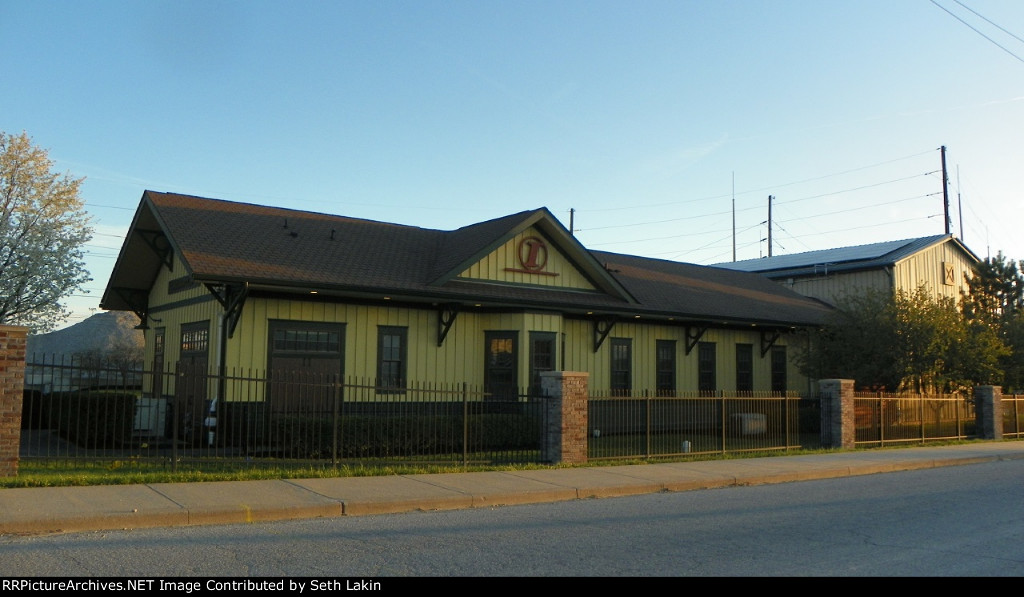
x=838, y=426
x=988, y=408
x=12, y=393
x=566, y=395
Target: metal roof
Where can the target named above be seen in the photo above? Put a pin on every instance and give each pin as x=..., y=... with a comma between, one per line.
x=842, y=258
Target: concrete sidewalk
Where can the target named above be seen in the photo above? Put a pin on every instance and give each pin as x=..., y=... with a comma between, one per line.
x=108, y=507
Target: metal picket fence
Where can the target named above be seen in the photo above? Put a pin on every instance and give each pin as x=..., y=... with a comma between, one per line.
x=891, y=418
x=648, y=425
x=1013, y=416
x=81, y=410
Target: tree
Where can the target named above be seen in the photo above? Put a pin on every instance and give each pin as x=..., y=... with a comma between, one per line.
x=1013, y=364
x=855, y=343
x=909, y=341
x=996, y=300
x=43, y=227
x=996, y=290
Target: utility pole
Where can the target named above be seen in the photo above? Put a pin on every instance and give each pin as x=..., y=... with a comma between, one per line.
x=959, y=204
x=734, y=217
x=945, y=188
x=572, y=214
x=770, y=198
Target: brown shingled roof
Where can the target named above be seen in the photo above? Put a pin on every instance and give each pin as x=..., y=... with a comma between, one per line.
x=228, y=242
x=699, y=291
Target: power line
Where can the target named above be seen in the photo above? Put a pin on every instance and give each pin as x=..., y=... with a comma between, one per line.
x=976, y=30
x=787, y=202
x=989, y=21
x=634, y=206
x=873, y=205
x=860, y=188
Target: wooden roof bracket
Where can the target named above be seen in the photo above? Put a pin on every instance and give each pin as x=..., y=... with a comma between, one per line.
x=693, y=336
x=446, y=315
x=163, y=249
x=138, y=302
x=602, y=327
x=768, y=339
x=232, y=298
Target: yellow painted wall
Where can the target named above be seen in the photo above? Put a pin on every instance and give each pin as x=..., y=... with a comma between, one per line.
x=832, y=287
x=923, y=268
x=926, y=268
x=170, y=310
x=581, y=357
x=460, y=359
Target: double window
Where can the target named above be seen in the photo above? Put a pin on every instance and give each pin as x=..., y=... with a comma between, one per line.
x=622, y=366
x=745, y=367
x=665, y=355
x=542, y=357
x=779, y=381
x=706, y=367
x=392, y=357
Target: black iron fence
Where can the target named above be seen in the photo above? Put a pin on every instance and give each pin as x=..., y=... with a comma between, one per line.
x=647, y=425
x=78, y=410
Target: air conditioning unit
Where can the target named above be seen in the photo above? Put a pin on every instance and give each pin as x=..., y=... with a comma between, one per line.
x=748, y=423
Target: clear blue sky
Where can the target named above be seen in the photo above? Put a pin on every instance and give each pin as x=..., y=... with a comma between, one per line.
x=656, y=123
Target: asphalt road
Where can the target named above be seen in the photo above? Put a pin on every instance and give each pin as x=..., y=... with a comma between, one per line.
x=955, y=521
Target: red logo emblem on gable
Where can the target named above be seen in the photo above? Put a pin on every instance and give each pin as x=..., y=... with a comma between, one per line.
x=532, y=253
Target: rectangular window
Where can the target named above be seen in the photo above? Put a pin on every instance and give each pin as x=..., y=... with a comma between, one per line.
x=706, y=366
x=622, y=366
x=779, y=381
x=392, y=357
x=666, y=367
x=542, y=357
x=745, y=367
x=305, y=340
